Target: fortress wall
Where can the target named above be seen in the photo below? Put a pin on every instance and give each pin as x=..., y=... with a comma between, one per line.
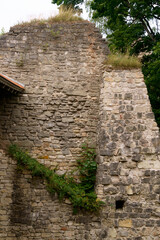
x=60, y=65
x=129, y=149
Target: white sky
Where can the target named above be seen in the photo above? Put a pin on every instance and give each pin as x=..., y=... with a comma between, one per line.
x=16, y=11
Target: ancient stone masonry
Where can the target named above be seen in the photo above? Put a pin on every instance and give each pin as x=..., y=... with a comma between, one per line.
x=60, y=66
x=69, y=98
x=129, y=164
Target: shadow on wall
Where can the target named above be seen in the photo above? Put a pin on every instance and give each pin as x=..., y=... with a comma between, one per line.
x=6, y=116
x=20, y=208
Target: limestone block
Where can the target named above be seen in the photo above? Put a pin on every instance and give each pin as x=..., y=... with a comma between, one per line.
x=129, y=190
x=112, y=233
x=125, y=223
x=149, y=165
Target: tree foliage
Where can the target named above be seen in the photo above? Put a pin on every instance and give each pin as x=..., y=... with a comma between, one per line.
x=151, y=71
x=129, y=22
x=68, y=3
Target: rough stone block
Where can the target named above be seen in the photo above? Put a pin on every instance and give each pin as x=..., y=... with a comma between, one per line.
x=125, y=223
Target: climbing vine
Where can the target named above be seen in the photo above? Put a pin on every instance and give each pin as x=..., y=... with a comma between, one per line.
x=81, y=194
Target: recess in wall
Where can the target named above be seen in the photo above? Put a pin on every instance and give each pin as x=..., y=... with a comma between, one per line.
x=120, y=204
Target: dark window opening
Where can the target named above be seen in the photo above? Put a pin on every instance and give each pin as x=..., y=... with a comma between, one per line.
x=120, y=204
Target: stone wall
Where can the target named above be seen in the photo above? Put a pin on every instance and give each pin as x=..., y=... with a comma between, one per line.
x=60, y=65
x=7, y=167
x=28, y=212
x=129, y=164
x=69, y=98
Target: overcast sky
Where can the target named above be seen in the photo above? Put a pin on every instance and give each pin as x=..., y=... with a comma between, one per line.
x=15, y=11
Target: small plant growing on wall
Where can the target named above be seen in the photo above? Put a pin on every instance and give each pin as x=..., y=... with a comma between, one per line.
x=54, y=34
x=87, y=167
x=81, y=194
x=20, y=62
x=2, y=31
x=45, y=47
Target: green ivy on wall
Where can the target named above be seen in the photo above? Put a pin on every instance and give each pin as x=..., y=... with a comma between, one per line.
x=81, y=194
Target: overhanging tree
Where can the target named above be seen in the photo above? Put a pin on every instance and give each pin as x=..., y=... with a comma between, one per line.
x=130, y=23
x=68, y=3
x=151, y=71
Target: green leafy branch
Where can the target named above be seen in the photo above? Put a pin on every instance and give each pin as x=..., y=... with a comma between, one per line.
x=81, y=195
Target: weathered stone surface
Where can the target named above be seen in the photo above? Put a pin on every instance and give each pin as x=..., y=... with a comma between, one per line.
x=57, y=113
x=112, y=233
x=125, y=223
x=133, y=163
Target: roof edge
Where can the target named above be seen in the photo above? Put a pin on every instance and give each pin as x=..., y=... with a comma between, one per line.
x=11, y=83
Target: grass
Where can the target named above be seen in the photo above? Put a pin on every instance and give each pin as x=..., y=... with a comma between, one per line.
x=65, y=15
x=2, y=31
x=123, y=61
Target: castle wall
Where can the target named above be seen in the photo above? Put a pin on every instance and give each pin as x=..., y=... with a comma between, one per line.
x=68, y=99
x=129, y=165
x=60, y=66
